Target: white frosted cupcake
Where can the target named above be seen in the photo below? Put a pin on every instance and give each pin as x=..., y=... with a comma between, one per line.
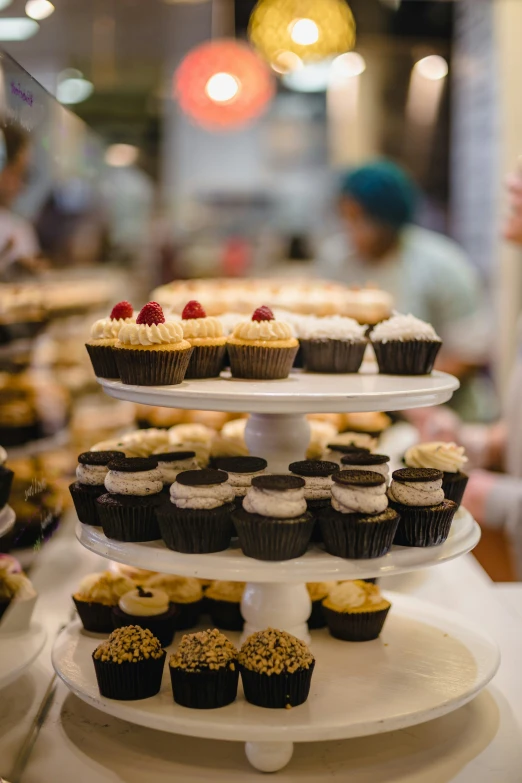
x=150, y=608
x=103, y=339
x=207, y=338
x=447, y=457
x=405, y=345
x=332, y=345
x=262, y=348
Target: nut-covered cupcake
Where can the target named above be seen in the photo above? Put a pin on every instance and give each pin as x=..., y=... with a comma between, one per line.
x=276, y=669
x=426, y=516
x=333, y=344
x=149, y=608
x=104, y=336
x=274, y=523
x=365, y=460
x=447, y=457
x=185, y=593
x=204, y=671
x=223, y=602
x=405, y=345
x=171, y=463
x=359, y=523
x=133, y=492
x=152, y=351
x=241, y=471
x=198, y=519
x=355, y=611
x=318, y=591
x=89, y=485
x=129, y=664
x=96, y=597
x=206, y=336
x=263, y=348
x=6, y=478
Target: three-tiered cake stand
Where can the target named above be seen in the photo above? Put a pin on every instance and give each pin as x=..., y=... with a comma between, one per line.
x=427, y=661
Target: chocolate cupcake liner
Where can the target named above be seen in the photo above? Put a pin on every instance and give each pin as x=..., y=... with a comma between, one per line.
x=4, y=606
x=355, y=626
x=162, y=626
x=129, y=681
x=196, y=531
x=103, y=360
x=84, y=499
x=20, y=434
x=124, y=521
x=313, y=508
x=317, y=618
x=205, y=690
x=226, y=615
x=265, y=538
x=206, y=361
x=277, y=691
x=406, y=357
x=95, y=617
x=298, y=361
x=347, y=535
x=424, y=526
x=152, y=368
x=454, y=486
x=6, y=480
x=187, y=615
x=257, y=363
x=332, y=356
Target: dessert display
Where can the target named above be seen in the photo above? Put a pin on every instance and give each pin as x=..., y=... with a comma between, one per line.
x=355, y=611
x=425, y=514
x=405, y=345
x=318, y=591
x=129, y=664
x=317, y=475
x=262, y=348
x=223, y=603
x=96, y=597
x=172, y=463
x=6, y=479
x=206, y=336
x=184, y=592
x=103, y=338
x=149, y=608
x=89, y=485
x=447, y=457
x=241, y=471
x=332, y=345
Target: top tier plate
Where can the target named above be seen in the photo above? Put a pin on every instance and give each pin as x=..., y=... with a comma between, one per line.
x=300, y=393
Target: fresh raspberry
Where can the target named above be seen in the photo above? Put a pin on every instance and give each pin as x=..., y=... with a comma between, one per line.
x=151, y=314
x=121, y=311
x=263, y=313
x=193, y=309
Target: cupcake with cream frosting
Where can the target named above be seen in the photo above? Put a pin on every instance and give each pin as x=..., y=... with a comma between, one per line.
x=241, y=471
x=149, y=608
x=89, y=485
x=334, y=344
x=192, y=437
x=172, y=463
x=185, y=593
x=355, y=611
x=405, y=345
x=95, y=598
x=262, y=348
x=447, y=457
x=103, y=339
x=425, y=514
x=223, y=602
x=152, y=351
x=206, y=336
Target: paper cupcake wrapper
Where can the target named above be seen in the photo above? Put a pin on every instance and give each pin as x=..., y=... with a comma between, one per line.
x=406, y=357
x=196, y=531
x=332, y=356
x=206, y=690
x=355, y=626
x=103, y=360
x=84, y=500
x=187, y=615
x=6, y=480
x=276, y=691
x=346, y=536
x=162, y=626
x=20, y=435
x=256, y=363
x=317, y=618
x=206, y=361
x=313, y=507
x=225, y=615
x=152, y=368
x=129, y=522
x=454, y=486
x=421, y=526
x=129, y=681
x=298, y=361
x=96, y=618
x=264, y=538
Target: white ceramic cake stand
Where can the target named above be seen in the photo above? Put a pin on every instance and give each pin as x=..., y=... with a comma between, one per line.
x=7, y=520
x=427, y=662
x=18, y=651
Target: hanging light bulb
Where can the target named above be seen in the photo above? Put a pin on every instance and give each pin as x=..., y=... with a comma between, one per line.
x=222, y=87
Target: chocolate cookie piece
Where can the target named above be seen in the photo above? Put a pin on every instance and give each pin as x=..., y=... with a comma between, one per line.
x=175, y=456
x=133, y=464
x=364, y=458
x=99, y=457
x=201, y=478
x=417, y=474
x=358, y=478
x=313, y=467
x=241, y=464
x=348, y=449
x=278, y=483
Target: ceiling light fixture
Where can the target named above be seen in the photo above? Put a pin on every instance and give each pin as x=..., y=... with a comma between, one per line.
x=432, y=67
x=18, y=28
x=304, y=32
x=39, y=9
x=222, y=87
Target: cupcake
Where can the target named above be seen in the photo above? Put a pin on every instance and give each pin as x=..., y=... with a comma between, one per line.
x=204, y=671
x=197, y=519
x=149, y=608
x=262, y=348
x=152, y=351
x=171, y=463
x=207, y=339
x=129, y=664
x=333, y=344
x=223, y=602
x=89, y=485
x=355, y=611
x=241, y=471
x=96, y=597
x=405, y=345
x=137, y=575
x=104, y=336
x=321, y=433
x=317, y=475
x=318, y=591
x=127, y=510
x=6, y=478
x=274, y=523
x=426, y=516
x=365, y=460
x=359, y=523
x=337, y=450
x=185, y=593
x=276, y=669
x=15, y=587
x=447, y=457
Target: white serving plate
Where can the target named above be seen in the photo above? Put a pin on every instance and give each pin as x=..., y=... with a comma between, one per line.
x=18, y=651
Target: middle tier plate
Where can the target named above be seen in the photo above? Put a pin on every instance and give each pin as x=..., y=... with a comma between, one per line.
x=316, y=566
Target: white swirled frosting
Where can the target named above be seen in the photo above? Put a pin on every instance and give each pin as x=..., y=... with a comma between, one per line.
x=335, y=327
x=204, y=496
x=403, y=327
x=416, y=493
x=350, y=595
x=196, y=328
x=108, y=328
x=383, y=469
x=263, y=330
x=140, y=483
x=169, y=470
x=270, y=503
x=240, y=482
x=92, y=475
x=355, y=499
x=156, y=602
x=447, y=457
x=155, y=334
x=317, y=487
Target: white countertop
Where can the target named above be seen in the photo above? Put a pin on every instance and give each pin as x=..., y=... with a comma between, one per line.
x=480, y=743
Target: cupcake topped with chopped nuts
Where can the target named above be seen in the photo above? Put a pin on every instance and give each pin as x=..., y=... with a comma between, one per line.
x=274, y=652
x=203, y=651
x=130, y=644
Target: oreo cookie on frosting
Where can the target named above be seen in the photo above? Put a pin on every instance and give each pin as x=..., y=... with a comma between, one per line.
x=89, y=485
x=241, y=464
x=133, y=464
x=318, y=487
x=99, y=457
x=406, y=475
x=313, y=468
x=278, y=482
x=358, y=478
x=175, y=456
x=362, y=460
x=426, y=516
x=172, y=463
x=202, y=478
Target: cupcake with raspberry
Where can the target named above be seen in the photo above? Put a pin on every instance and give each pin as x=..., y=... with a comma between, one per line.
x=104, y=336
x=152, y=351
x=206, y=336
x=405, y=345
x=262, y=348
x=333, y=344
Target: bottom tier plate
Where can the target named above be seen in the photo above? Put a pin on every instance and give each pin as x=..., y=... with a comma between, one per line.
x=18, y=651
x=426, y=663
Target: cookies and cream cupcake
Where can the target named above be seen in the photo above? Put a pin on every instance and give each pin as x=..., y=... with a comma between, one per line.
x=334, y=344
x=89, y=485
x=172, y=463
x=366, y=460
x=262, y=348
x=129, y=664
x=206, y=336
x=185, y=593
x=447, y=457
x=355, y=611
x=405, y=345
x=425, y=514
x=223, y=602
x=103, y=339
x=348, y=443
x=95, y=598
x=241, y=471
x=317, y=475
x=149, y=608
